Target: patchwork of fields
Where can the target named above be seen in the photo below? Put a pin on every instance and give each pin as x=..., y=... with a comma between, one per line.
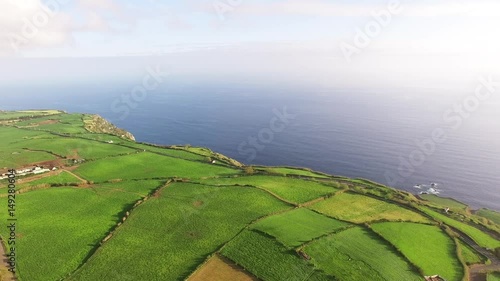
x=133, y=211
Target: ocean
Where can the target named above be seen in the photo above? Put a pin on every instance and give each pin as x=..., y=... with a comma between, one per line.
x=401, y=137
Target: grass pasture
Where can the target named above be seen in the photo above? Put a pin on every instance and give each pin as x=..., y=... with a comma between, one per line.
x=62, y=124
x=291, y=189
x=481, y=238
x=61, y=226
x=426, y=246
x=9, y=115
x=357, y=254
x=19, y=157
x=489, y=214
x=219, y=268
x=284, y=171
x=148, y=165
x=13, y=155
x=178, y=153
x=359, y=208
x=297, y=227
x=77, y=148
x=63, y=178
x=469, y=255
x=494, y=276
x=268, y=259
x=444, y=202
x=173, y=233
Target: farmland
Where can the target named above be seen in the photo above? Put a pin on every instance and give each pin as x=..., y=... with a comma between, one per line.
x=61, y=226
x=76, y=148
x=291, y=189
x=9, y=115
x=158, y=166
x=356, y=253
x=298, y=226
x=219, y=268
x=134, y=211
x=489, y=214
x=267, y=259
x=426, y=246
x=171, y=234
x=290, y=171
x=480, y=237
x=470, y=255
x=359, y=208
x=63, y=178
x=495, y=276
x=444, y=202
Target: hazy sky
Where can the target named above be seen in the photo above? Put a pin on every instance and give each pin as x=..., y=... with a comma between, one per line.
x=365, y=37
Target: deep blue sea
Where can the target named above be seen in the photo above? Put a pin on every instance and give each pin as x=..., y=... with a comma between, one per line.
x=382, y=135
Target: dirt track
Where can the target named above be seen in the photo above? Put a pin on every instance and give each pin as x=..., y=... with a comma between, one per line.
x=479, y=272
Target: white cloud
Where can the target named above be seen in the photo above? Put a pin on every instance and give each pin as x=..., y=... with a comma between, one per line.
x=28, y=24
x=327, y=8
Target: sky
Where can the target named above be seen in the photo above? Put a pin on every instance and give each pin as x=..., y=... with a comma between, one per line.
x=397, y=36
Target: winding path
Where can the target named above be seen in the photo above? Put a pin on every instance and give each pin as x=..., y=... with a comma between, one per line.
x=478, y=272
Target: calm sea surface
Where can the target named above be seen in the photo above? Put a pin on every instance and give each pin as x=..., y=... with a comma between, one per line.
x=375, y=134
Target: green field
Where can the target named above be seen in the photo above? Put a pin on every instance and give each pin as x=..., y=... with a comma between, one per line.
x=133, y=211
x=77, y=148
x=267, y=259
x=293, y=190
x=444, y=202
x=146, y=165
x=170, y=152
x=469, y=255
x=170, y=235
x=495, y=276
x=19, y=157
x=481, y=238
x=284, y=171
x=489, y=214
x=59, y=179
x=7, y=115
x=299, y=226
x=359, y=208
x=426, y=246
x=12, y=154
x=59, y=227
x=62, y=124
x=358, y=254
